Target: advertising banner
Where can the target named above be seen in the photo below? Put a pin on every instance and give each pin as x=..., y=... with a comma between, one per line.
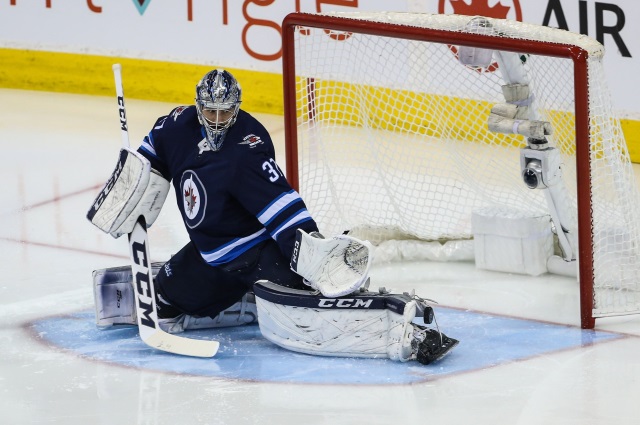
x=246, y=34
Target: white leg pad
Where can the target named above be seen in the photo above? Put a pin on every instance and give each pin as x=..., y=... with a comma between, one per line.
x=358, y=325
x=114, y=295
x=400, y=333
x=115, y=304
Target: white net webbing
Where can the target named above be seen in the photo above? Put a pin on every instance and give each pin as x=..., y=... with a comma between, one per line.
x=392, y=137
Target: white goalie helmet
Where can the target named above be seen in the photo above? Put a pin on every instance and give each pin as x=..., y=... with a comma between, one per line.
x=218, y=98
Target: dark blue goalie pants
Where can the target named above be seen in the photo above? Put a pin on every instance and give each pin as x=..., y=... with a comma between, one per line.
x=194, y=287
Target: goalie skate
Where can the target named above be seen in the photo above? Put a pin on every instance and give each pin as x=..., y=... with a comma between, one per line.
x=430, y=345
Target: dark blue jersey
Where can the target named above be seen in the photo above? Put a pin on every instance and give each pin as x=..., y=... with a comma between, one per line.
x=231, y=199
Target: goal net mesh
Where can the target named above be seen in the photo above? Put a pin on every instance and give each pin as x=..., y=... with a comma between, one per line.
x=392, y=138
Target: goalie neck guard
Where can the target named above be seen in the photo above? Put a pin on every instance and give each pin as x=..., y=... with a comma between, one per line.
x=362, y=324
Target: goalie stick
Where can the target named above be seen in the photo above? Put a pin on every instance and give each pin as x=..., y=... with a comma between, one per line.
x=146, y=309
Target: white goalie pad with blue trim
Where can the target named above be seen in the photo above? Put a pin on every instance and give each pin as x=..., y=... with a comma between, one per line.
x=363, y=324
x=114, y=296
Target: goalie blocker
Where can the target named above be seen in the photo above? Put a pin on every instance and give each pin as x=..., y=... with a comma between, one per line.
x=362, y=324
x=134, y=189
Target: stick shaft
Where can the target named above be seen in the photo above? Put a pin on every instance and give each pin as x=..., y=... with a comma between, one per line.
x=146, y=308
x=124, y=127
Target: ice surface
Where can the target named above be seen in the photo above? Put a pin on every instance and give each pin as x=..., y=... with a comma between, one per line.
x=522, y=358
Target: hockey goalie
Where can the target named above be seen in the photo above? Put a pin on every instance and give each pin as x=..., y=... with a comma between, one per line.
x=254, y=252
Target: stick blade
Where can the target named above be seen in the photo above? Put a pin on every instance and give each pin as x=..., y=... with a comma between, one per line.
x=184, y=346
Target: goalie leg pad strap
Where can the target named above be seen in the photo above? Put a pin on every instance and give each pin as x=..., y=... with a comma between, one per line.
x=244, y=312
x=361, y=325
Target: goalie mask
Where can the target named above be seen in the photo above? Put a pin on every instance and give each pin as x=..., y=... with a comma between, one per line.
x=218, y=98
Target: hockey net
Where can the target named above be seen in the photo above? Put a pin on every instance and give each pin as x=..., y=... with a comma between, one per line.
x=387, y=131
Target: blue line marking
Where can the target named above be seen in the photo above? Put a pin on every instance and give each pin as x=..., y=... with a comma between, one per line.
x=485, y=341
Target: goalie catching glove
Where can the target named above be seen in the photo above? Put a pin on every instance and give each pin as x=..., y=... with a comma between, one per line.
x=336, y=266
x=134, y=189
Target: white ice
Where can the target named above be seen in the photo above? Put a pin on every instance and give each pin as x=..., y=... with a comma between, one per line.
x=58, y=149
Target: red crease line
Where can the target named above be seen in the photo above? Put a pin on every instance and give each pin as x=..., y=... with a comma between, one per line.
x=66, y=248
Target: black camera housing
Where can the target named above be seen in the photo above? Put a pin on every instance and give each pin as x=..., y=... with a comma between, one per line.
x=532, y=174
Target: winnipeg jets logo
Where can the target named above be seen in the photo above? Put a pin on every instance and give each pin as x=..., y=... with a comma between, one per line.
x=190, y=200
x=194, y=199
x=252, y=140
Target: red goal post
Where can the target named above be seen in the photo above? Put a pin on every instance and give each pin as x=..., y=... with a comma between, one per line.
x=329, y=106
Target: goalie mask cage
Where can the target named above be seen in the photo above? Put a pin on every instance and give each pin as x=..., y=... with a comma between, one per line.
x=387, y=130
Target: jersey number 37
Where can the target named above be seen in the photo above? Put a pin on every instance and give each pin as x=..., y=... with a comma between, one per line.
x=272, y=168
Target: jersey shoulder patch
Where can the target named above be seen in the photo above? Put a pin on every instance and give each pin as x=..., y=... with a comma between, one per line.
x=253, y=136
x=180, y=110
x=251, y=140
